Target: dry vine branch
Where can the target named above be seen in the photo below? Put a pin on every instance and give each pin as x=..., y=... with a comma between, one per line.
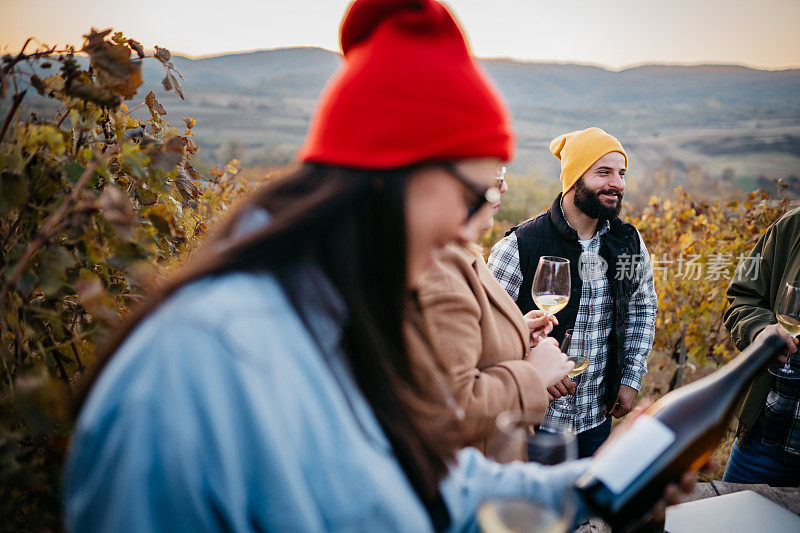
x=14, y=105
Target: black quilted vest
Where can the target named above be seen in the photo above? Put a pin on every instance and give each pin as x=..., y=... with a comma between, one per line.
x=550, y=234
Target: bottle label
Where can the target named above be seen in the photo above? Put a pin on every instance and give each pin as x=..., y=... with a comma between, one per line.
x=620, y=462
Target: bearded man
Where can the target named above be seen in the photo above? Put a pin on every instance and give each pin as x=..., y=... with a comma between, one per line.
x=612, y=304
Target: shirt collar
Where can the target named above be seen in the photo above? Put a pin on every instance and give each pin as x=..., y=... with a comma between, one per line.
x=604, y=227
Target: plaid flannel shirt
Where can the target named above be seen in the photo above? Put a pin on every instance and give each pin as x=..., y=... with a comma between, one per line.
x=594, y=318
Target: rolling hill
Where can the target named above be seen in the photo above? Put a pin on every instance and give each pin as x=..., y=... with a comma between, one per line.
x=721, y=118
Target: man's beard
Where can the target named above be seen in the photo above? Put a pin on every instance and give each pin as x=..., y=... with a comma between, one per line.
x=589, y=202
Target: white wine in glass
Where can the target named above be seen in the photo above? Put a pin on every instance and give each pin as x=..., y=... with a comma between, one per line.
x=551, y=303
x=791, y=323
x=575, y=346
x=518, y=516
x=551, y=284
x=581, y=364
x=787, y=310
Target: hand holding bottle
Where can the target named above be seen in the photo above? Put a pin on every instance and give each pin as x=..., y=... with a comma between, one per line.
x=676, y=435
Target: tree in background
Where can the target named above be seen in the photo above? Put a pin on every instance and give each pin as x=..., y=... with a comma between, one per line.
x=696, y=249
x=91, y=200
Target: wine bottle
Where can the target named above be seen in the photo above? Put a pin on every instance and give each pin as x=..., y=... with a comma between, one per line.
x=676, y=434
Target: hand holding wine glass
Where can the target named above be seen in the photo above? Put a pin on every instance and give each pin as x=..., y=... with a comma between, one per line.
x=540, y=324
x=773, y=329
x=549, y=361
x=551, y=284
x=787, y=311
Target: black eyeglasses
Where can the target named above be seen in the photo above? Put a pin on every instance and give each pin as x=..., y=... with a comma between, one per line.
x=483, y=195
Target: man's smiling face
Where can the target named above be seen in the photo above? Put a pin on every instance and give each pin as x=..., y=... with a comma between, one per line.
x=599, y=192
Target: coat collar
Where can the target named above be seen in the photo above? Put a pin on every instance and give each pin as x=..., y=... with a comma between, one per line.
x=562, y=224
x=495, y=292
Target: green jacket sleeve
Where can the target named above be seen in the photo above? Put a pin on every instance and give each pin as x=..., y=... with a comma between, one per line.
x=749, y=295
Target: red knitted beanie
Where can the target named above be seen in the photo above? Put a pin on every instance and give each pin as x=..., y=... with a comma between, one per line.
x=408, y=92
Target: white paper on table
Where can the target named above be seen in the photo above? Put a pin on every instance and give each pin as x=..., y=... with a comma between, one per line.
x=740, y=512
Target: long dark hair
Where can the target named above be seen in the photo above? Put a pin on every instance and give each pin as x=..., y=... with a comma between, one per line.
x=352, y=224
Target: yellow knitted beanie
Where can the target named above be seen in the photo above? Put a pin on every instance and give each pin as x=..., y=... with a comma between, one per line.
x=579, y=150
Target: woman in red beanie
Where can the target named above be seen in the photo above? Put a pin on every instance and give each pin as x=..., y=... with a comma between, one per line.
x=266, y=387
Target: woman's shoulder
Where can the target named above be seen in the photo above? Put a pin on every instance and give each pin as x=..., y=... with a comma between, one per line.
x=205, y=329
x=217, y=298
x=461, y=253
x=233, y=337
x=453, y=270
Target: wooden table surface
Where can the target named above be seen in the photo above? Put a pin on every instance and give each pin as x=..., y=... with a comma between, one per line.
x=788, y=498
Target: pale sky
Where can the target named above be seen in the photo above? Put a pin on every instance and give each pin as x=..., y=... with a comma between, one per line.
x=614, y=33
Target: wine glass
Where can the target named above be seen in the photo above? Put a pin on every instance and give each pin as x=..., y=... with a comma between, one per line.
x=575, y=346
x=787, y=311
x=517, y=515
x=551, y=284
x=515, y=438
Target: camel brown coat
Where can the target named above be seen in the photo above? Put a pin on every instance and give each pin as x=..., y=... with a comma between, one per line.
x=479, y=338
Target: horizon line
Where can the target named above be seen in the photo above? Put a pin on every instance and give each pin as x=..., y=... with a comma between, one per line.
x=646, y=63
x=553, y=61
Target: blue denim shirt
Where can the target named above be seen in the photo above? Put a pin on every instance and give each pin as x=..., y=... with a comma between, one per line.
x=223, y=411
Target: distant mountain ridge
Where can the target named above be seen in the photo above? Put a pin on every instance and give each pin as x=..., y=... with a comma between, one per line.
x=523, y=83
x=724, y=119
x=264, y=72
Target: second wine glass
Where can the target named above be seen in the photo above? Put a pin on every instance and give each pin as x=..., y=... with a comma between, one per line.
x=575, y=346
